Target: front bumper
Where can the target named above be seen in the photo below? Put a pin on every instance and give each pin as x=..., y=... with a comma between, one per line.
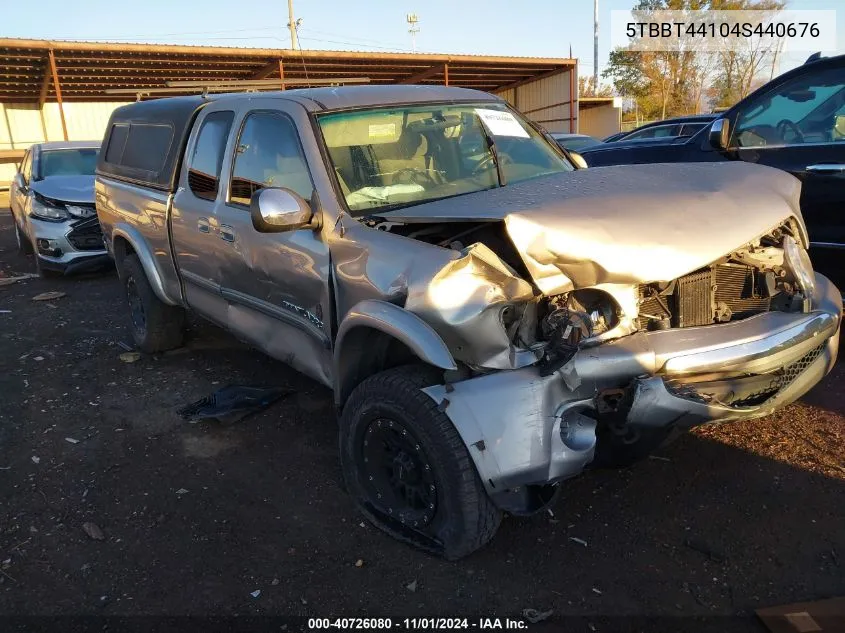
x=522, y=429
x=69, y=247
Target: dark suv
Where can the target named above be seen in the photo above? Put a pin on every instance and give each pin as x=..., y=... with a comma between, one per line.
x=795, y=123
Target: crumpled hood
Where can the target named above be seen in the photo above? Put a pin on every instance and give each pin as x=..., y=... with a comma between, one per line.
x=79, y=189
x=627, y=224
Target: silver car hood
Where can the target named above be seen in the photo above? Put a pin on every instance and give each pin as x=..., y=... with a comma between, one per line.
x=627, y=224
x=78, y=189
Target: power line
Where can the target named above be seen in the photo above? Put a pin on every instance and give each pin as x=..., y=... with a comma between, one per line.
x=163, y=35
x=387, y=48
x=348, y=37
x=149, y=39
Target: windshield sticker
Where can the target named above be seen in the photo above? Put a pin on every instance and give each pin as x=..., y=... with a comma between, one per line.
x=501, y=123
x=382, y=130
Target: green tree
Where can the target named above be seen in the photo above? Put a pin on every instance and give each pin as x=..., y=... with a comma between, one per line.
x=669, y=83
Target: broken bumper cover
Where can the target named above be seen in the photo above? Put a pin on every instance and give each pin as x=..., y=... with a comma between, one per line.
x=69, y=247
x=522, y=429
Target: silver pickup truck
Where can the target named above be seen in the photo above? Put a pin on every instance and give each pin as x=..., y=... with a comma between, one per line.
x=491, y=319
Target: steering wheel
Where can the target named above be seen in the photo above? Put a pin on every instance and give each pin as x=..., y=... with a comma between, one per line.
x=487, y=163
x=786, y=125
x=412, y=176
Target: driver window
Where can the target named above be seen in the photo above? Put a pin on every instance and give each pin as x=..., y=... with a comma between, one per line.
x=807, y=109
x=268, y=154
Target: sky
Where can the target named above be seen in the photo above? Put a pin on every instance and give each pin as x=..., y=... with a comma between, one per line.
x=539, y=28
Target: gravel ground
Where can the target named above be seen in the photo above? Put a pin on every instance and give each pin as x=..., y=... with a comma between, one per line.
x=196, y=517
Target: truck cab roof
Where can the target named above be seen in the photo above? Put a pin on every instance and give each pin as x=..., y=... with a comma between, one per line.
x=144, y=140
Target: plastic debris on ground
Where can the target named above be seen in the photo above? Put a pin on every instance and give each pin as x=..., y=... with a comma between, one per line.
x=93, y=531
x=48, y=296
x=534, y=616
x=130, y=357
x=232, y=403
x=8, y=281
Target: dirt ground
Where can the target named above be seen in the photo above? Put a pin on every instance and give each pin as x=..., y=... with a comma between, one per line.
x=196, y=517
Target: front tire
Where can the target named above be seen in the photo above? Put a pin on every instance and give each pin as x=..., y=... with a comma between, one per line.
x=155, y=326
x=24, y=245
x=407, y=468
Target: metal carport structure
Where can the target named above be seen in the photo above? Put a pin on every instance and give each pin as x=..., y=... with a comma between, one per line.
x=53, y=90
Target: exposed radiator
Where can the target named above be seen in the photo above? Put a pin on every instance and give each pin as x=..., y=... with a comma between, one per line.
x=694, y=298
x=737, y=287
x=718, y=293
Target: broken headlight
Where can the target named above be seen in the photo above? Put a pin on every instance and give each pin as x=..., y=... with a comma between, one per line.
x=597, y=311
x=569, y=320
x=43, y=208
x=797, y=261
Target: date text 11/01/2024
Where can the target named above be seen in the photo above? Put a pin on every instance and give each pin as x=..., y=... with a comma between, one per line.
x=416, y=624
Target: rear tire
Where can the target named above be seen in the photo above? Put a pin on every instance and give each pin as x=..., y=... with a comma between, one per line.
x=24, y=245
x=155, y=326
x=408, y=469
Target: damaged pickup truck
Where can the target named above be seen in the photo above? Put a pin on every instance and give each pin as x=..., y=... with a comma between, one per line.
x=491, y=320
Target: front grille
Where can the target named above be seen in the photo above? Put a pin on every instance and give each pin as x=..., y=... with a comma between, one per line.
x=86, y=235
x=719, y=293
x=791, y=372
x=751, y=395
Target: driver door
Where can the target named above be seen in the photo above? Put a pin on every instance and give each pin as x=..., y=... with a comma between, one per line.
x=275, y=284
x=797, y=127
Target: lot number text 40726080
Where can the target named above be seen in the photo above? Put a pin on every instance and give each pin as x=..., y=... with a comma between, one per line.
x=416, y=624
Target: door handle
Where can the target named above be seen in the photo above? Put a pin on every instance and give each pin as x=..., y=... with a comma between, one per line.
x=203, y=226
x=833, y=167
x=227, y=233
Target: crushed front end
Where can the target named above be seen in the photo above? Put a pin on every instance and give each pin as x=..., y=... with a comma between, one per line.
x=615, y=367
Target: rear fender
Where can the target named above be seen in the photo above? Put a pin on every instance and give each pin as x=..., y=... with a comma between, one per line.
x=138, y=245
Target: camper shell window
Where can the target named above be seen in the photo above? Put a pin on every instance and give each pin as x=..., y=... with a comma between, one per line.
x=144, y=141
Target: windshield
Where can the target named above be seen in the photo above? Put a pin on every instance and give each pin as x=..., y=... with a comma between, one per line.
x=392, y=157
x=67, y=162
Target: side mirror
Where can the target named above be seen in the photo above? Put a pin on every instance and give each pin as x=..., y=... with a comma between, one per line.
x=579, y=161
x=719, y=134
x=19, y=182
x=276, y=210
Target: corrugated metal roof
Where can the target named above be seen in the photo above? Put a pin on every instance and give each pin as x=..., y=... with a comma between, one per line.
x=86, y=70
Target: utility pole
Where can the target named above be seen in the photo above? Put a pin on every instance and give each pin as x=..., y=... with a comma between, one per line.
x=294, y=44
x=595, y=47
